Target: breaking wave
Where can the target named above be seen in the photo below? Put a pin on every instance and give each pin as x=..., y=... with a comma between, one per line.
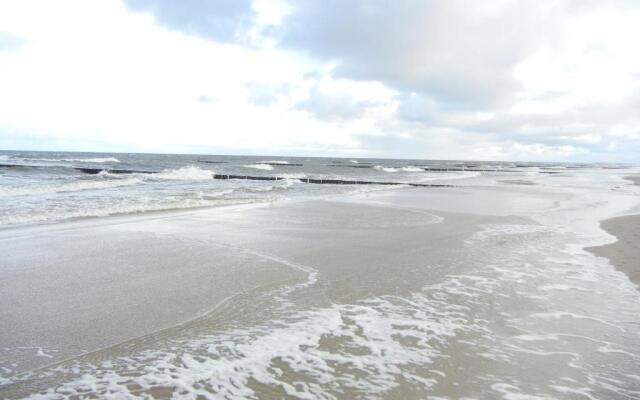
x=385, y=169
x=67, y=187
x=265, y=167
x=411, y=168
x=298, y=175
x=93, y=160
x=184, y=174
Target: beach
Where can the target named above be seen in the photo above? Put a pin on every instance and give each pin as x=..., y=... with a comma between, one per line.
x=476, y=290
x=624, y=253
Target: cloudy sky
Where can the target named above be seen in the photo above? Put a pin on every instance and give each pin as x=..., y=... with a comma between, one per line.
x=449, y=79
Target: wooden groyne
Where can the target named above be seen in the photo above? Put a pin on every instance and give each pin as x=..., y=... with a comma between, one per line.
x=277, y=164
x=317, y=181
x=426, y=168
x=95, y=171
x=350, y=166
x=322, y=181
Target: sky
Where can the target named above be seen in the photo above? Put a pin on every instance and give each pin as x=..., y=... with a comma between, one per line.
x=555, y=80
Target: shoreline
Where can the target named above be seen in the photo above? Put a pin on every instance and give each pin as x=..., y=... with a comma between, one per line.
x=633, y=178
x=624, y=253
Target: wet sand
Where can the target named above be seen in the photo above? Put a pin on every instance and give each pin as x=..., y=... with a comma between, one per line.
x=404, y=292
x=633, y=178
x=75, y=287
x=625, y=252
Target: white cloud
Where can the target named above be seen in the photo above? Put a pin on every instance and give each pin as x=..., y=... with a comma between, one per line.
x=442, y=79
x=140, y=83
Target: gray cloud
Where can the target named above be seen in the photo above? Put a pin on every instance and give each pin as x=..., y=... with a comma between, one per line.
x=417, y=108
x=451, y=59
x=593, y=128
x=333, y=106
x=587, y=125
x=220, y=20
x=458, y=52
x=265, y=94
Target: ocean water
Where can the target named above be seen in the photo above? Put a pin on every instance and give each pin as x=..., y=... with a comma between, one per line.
x=508, y=305
x=48, y=186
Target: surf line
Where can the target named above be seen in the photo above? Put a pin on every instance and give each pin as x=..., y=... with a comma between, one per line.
x=95, y=171
x=322, y=181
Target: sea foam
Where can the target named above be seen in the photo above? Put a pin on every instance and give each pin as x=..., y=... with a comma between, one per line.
x=265, y=167
x=61, y=187
x=385, y=169
x=411, y=168
x=190, y=173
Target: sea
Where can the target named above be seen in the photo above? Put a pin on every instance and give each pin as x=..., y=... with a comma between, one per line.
x=434, y=279
x=37, y=187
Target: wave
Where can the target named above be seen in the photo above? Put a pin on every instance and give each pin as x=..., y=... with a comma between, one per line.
x=440, y=176
x=411, y=168
x=93, y=160
x=240, y=363
x=108, y=180
x=385, y=169
x=214, y=195
x=299, y=175
x=265, y=167
x=354, y=161
x=183, y=174
x=114, y=209
x=74, y=186
x=274, y=162
x=123, y=206
x=83, y=160
x=279, y=185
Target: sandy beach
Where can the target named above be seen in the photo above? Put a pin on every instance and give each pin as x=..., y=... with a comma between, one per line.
x=633, y=178
x=394, y=294
x=625, y=252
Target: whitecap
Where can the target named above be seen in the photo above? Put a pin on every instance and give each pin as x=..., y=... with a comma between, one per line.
x=93, y=160
x=385, y=169
x=298, y=175
x=411, y=168
x=265, y=167
x=184, y=174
